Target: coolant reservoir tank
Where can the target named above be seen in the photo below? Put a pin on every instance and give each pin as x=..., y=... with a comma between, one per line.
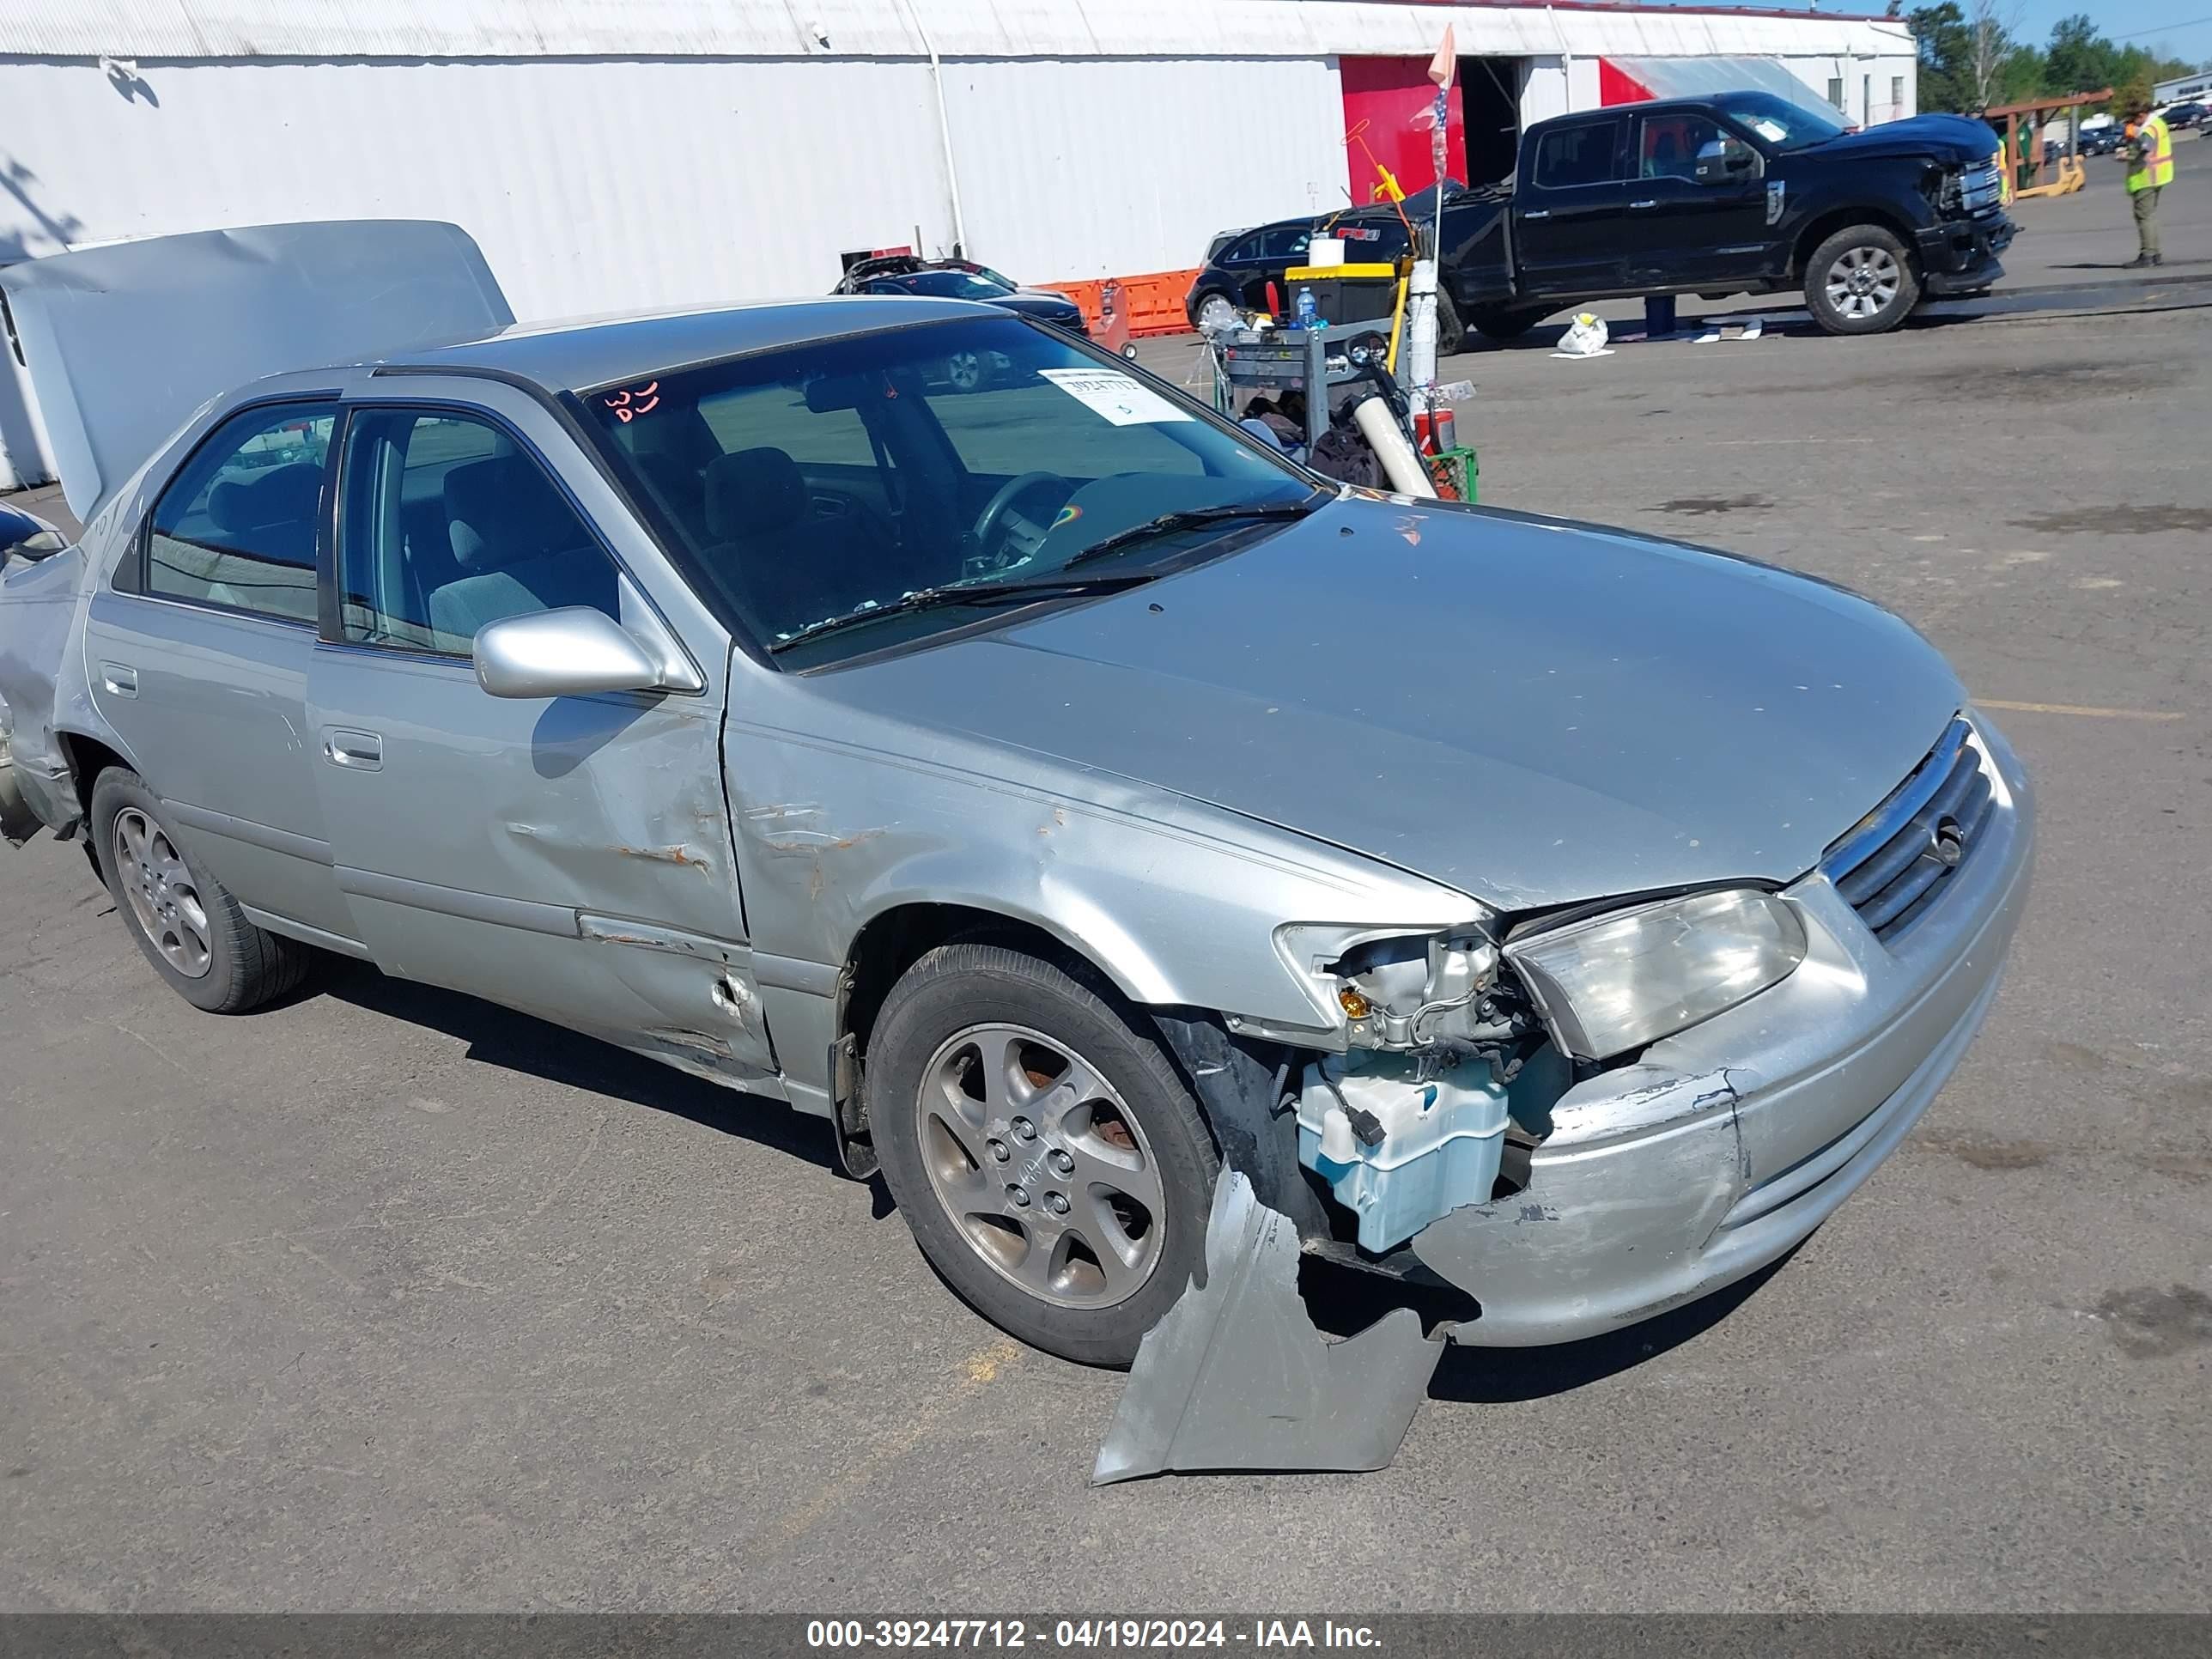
x=1439, y=1146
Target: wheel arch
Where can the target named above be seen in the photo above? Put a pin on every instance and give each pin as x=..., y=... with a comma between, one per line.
x=1819, y=230
x=891, y=941
x=87, y=756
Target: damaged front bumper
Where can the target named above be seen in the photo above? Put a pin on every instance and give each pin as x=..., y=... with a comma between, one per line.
x=1960, y=255
x=1725, y=1146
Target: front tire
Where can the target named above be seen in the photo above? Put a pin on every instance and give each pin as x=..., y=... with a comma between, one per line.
x=185, y=921
x=1861, y=281
x=1049, y=1158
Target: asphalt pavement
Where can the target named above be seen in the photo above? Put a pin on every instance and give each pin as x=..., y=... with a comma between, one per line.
x=386, y=1299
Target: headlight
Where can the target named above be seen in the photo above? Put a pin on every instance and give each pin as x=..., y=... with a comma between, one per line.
x=1617, y=981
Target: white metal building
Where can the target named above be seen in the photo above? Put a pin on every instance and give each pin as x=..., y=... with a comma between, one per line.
x=614, y=156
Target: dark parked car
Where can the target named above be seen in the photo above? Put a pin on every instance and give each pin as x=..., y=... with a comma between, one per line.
x=2100, y=141
x=961, y=279
x=1242, y=265
x=2184, y=115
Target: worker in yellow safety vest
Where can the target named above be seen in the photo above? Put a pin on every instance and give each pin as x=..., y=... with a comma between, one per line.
x=2149, y=153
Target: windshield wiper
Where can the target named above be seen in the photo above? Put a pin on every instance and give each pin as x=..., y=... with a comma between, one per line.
x=980, y=592
x=1191, y=518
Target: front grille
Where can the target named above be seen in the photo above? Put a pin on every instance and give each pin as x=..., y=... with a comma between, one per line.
x=1980, y=189
x=1897, y=861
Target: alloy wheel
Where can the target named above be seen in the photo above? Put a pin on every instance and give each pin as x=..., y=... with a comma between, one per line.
x=1863, y=282
x=964, y=370
x=161, y=893
x=1215, y=314
x=1042, y=1167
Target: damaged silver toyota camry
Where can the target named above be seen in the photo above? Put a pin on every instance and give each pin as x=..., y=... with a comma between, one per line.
x=1063, y=797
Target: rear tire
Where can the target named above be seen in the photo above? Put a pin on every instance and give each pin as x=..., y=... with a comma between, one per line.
x=1213, y=310
x=1451, y=332
x=182, y=918
x=1049, y=1158
x=1861, y=281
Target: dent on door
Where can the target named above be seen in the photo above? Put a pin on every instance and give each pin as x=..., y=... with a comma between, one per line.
x=571, y=858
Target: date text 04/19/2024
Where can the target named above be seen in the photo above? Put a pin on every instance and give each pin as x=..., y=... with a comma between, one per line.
x=1082, y=1635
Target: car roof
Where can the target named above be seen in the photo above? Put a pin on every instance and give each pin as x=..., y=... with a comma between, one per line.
x=579, y=354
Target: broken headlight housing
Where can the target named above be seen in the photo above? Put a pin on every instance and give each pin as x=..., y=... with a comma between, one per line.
x=1616, y=982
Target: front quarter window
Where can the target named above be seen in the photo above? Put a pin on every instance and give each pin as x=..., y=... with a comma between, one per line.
x=872, y=489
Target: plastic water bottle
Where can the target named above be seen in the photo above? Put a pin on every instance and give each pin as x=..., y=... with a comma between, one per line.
x=1306, y=314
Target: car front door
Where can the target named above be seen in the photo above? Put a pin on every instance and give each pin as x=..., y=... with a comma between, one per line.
x=1697, y=208
x=568, y=856
x=198, y=656
x=1568, y=218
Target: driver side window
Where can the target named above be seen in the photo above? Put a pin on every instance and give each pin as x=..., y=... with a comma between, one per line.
x=447, y=524
x=1668, y=145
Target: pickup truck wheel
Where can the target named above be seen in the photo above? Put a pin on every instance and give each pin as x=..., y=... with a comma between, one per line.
x=185, y=920
x=1861, y=281
x=1451, y=333
x=1050, y=1160
x=1502, y=326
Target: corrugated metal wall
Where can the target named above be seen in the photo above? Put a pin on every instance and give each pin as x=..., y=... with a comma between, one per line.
x=1109, y=166
x=590, y=186
x=649, y=152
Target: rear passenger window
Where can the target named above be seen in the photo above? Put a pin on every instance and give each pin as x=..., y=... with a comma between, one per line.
x=447, y=524
x=1578, y=155
x=236, y=527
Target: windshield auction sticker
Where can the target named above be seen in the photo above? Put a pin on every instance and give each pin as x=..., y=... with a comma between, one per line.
x=1114, y=395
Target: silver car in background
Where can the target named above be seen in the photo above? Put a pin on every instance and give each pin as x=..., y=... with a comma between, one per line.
x=1060, y=796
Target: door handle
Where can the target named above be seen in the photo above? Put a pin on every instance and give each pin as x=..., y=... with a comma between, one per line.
x=119, y=679
x=357, y=751
x=1537, y=213
x=1644, y=204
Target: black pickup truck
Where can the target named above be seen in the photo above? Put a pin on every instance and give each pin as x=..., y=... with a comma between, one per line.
x=1743, y=193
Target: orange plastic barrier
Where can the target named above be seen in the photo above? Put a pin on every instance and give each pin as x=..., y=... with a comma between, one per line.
x=1151, y=304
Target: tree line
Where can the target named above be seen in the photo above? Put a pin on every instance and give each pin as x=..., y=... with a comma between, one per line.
x=1971, y=58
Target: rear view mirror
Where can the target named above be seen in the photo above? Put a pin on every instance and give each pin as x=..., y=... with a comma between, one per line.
x=26, y=537
x=575, y=651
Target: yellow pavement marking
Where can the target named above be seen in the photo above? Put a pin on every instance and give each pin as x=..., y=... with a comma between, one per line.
x=2078, y=708
x=977, y=1371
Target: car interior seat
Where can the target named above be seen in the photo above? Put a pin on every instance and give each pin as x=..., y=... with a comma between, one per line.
x=270, y=519
x=523, y=546
x=760, y=512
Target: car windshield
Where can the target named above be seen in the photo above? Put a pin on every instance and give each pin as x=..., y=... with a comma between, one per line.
x=953, y=284
x=1785, y=125
x=813, y=487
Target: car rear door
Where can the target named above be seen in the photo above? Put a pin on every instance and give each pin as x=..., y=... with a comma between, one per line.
x=1568, y=213
x=572, y=856
x=1697, y=207
x=198, y=655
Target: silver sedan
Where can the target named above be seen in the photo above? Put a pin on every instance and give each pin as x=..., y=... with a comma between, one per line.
x=1056, y=793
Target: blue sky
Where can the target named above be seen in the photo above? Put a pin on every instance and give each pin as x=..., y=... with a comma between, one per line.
x=2182, y=28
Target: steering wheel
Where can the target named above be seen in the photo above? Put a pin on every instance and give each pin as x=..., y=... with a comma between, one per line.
x=1000, y=508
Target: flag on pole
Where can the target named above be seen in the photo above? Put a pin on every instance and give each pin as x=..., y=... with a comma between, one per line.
x=1441, y=66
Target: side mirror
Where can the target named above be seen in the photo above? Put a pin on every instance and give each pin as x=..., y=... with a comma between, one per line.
x=24, y=537
x=575, y=651
x=1719, y=164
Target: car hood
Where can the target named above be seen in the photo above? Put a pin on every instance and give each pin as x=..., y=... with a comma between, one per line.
x=124, y=342
x=1946, y=138
x=1530, y=711
x=1033, y=303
